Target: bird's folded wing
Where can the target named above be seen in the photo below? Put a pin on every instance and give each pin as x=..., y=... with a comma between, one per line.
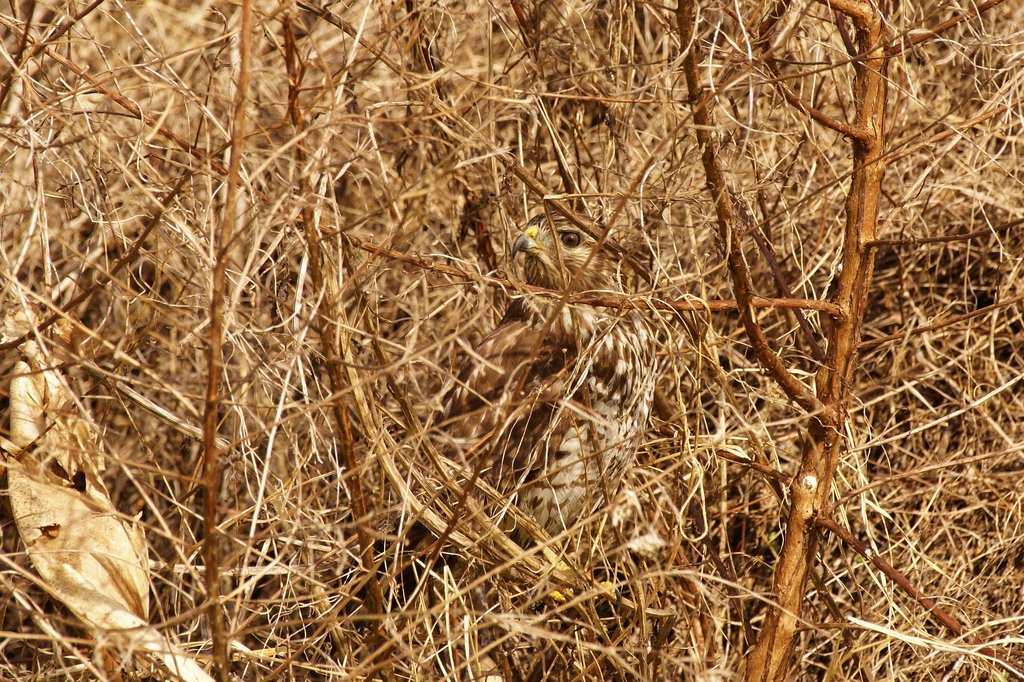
x=508, y=398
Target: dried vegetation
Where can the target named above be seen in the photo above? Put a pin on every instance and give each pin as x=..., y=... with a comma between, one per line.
x=389, y=152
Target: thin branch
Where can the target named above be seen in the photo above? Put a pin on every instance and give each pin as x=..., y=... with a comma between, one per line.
x=923, y=35
x=600, y=300
x=768, y=252
x=940, y=615
x=729, y=225
x=957, y=462
x=844, y=129
x=212, y=469
x=761, y=468
x=949, y=321
x=947, y=239
x=24, y=57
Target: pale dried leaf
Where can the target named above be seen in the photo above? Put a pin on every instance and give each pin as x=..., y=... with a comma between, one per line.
x=89, y=556
x=65, y=531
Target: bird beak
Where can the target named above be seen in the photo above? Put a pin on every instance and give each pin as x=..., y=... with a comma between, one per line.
x=525, y=241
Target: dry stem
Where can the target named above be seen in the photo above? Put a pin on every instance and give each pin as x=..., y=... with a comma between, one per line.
x=771, y=657
x=212, y=466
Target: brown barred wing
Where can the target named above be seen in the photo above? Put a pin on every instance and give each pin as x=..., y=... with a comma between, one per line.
x=502, y=407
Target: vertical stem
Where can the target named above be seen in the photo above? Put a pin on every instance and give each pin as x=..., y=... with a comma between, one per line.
x=771, y=657
x=212, y=469
x=323, y=277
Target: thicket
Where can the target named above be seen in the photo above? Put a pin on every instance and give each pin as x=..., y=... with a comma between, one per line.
x=250, y=242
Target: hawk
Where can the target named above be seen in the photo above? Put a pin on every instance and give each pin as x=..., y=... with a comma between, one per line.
x=551, y=406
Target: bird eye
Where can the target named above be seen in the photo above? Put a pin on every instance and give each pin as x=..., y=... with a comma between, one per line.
x=570, y=239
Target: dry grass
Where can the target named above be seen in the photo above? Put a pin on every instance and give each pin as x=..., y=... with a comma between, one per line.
x=404, y=139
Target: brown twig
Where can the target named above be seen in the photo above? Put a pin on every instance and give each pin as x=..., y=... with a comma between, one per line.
x=845, y=129
x=22, y=57
x=941, y=324
x=729, y=225
x=901, y=581
x=959, y=129
x=640, y=302
x=212, y=468
x=924, y=35
x=949, y=239
x=768, y=252
x=958, y=462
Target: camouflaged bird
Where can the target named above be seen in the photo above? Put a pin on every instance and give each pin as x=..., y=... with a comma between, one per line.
x=553, y=403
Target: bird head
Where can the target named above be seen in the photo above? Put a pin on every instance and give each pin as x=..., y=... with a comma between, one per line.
x=559, y=255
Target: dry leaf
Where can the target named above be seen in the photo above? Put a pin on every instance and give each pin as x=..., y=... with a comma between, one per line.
x=88, y=556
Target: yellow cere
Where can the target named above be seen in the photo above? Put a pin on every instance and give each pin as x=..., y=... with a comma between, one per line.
x=531, y=232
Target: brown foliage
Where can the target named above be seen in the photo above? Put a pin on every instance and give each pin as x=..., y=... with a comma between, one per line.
x=389, y=152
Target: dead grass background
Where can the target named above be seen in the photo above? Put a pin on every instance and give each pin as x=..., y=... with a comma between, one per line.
x=403, y=142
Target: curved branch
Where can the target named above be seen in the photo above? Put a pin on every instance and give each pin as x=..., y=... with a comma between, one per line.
x=729, y=223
